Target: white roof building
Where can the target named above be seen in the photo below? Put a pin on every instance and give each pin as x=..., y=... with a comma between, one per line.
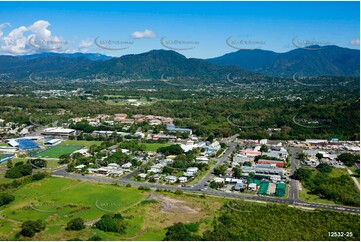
x=127, y=165
x=113, y=166
x=183, y=179
x=142, y=175
x=170, y=179
x=218, y=180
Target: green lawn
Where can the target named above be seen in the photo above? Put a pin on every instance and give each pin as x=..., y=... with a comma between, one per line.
x=338, y=172
x=154, y=146
x=57, y=151
x=3, y=144
x=57, y=200
x=3, y=179
x=85, y=143
x=305, y=196
x=353, y=169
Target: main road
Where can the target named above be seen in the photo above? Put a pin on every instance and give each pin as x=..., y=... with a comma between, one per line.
x=292, y=198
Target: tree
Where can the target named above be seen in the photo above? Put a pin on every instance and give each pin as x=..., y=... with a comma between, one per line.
x=111, y=223
x=182, y=232
x=237, y=172
x=6, y=199
x=9, y=164
x=302, y=174
x=75, y=224
x=220, y=170
x=264, y=148
x=319, y=156
x=30, y=228
x=64, y=159
x=71, y=167
x=348, y=159
x=301, y=155
x=13, y=173
x=170, y=150
x=324, y=168
x=95, y=238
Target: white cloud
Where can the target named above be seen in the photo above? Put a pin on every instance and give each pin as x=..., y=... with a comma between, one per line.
x=149, y=34
x=16, y=42
x=27, y=40
x=2, y=26
x=85, y=45
x=40, y=29
x=355, y=42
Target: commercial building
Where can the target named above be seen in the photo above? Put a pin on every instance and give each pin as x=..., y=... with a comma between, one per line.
x=58, y=132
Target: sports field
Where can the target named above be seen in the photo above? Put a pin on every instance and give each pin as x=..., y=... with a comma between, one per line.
x=85, y=143
x=154, y=146
x=57, y=151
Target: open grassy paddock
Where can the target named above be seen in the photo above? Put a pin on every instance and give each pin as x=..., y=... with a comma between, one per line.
x=58, y=200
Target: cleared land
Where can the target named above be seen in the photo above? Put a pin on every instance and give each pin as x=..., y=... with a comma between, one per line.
x=57, y=200
x=154, y=146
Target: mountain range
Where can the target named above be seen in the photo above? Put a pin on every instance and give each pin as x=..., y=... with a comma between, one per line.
x=310, y=61
x=320, y=61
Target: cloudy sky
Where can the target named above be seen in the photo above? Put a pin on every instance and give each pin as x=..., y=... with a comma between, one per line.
x=195, y=29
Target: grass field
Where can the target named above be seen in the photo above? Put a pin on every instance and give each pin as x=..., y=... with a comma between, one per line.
x=3, y=144
x=154, y=146
x=58, y=200
x=85, y=143
x=305, y=196
x=57, y=151
x=3, y=179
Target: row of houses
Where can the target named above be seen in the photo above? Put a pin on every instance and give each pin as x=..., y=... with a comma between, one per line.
x=123, y=119
x=112, y=169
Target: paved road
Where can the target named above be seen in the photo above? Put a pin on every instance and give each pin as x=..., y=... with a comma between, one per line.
x=200, y=184
x=294, y=184
x=63, y=173
x=198, y=188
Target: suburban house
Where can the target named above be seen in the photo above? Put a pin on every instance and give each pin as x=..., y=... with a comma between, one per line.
x=127, y=165
x=278, y=163
x=170, y=179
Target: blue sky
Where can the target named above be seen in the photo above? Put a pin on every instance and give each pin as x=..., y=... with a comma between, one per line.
x=203, y=29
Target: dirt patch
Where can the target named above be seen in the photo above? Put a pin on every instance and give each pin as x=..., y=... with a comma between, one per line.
x=168, y=204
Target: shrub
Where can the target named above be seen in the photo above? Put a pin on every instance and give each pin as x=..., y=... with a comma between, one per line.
x=111, y=223
x=19, y=170
x=95, y=238
x=6, y=199
x=13, y=173
x=38, y=176
x=75, y=224
x=178, y=192
x=144, y=188
x=30, y=228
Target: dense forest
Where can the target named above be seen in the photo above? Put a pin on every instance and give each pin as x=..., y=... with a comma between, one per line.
x=246, y=221
x=271, y=108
